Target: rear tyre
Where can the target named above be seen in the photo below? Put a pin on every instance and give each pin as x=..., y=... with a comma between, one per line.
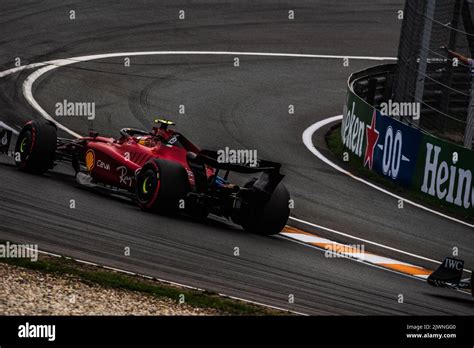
x=267, y=217
x=162, y=187
x=35, y=148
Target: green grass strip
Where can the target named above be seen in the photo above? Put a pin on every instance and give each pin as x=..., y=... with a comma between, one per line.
x=112, y=279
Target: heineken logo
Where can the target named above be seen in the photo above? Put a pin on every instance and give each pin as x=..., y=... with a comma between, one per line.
x=447, y=181
x=405, y=155
x=353, y=131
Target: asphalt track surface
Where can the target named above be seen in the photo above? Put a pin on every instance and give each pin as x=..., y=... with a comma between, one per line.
x=239, y=107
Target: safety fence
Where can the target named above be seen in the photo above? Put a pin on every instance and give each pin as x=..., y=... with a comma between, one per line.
x=427, y=74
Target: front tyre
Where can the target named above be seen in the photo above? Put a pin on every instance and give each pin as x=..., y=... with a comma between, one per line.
x=267, y=217
x=35, y=148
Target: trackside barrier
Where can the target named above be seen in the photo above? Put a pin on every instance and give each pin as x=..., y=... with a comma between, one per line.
x=399, y=152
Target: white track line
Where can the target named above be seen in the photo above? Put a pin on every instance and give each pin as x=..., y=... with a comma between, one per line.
x=21, y=68
x=28, y=93
x=148, y=53
x=7, y=127
x=364, y=240
x=308, y=141
x=359, y=260
x=366, y=262
x=346, y=250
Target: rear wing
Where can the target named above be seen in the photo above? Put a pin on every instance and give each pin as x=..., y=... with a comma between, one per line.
x=449, y=274
x=211, y=159
x=270, y=171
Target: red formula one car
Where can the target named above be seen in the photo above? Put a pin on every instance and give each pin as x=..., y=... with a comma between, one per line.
x=164, y=171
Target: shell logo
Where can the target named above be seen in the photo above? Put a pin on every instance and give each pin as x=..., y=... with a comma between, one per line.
x=90, y=160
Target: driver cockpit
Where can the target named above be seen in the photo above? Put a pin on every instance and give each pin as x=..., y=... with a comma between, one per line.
x=147, y=140
x=159, y=135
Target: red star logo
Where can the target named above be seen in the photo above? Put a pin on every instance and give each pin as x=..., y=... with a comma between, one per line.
x=372, y=138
